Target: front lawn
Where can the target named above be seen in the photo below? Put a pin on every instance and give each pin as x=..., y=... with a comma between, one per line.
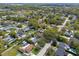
x=35, y=50
x=11, y=52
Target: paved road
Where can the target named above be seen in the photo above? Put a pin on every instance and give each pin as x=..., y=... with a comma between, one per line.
x=44, y=49
x=64, y=24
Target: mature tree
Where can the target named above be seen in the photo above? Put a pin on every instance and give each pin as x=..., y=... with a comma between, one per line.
x=41, y=42
x=2, y=43
x=54, y=43
x=62, y=39
x=76, y=34
x=50, y=52
x=19, y=26
x=34, y=23
x=50, y=34
x=2, y=33
x=74, y=43
x=46, y=21
x=56, y=20
x=76, y=25
x=18, y=19
x=71, y=17
x=13, y=34
x=77, y=50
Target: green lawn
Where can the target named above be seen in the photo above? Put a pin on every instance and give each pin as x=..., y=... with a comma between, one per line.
x=50, y=52
x=11, y=52
x=35, y=50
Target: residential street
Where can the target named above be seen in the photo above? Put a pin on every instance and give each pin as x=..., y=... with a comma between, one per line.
x=64, y=24
x=44, y=49
x=39, y=29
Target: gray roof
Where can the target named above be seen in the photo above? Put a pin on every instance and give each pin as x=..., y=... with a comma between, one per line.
x=61, y=51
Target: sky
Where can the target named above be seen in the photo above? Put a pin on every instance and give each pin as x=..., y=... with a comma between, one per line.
x=39, y=1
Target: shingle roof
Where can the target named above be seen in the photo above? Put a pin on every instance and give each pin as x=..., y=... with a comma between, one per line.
x=27, y=48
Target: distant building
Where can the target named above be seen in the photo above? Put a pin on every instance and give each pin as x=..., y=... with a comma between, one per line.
x=5, y=9
x=26, y=29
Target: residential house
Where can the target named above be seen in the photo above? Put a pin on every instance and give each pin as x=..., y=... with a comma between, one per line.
x=4, y=17
x=26, y=29
x=24, y=43
x=69, y=33
x=41, y=30
x=34, y=39
x=27, y=48
x=20, y=34
x=9, y=39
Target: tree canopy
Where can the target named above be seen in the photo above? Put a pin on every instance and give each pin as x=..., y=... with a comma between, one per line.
x=50, y=34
